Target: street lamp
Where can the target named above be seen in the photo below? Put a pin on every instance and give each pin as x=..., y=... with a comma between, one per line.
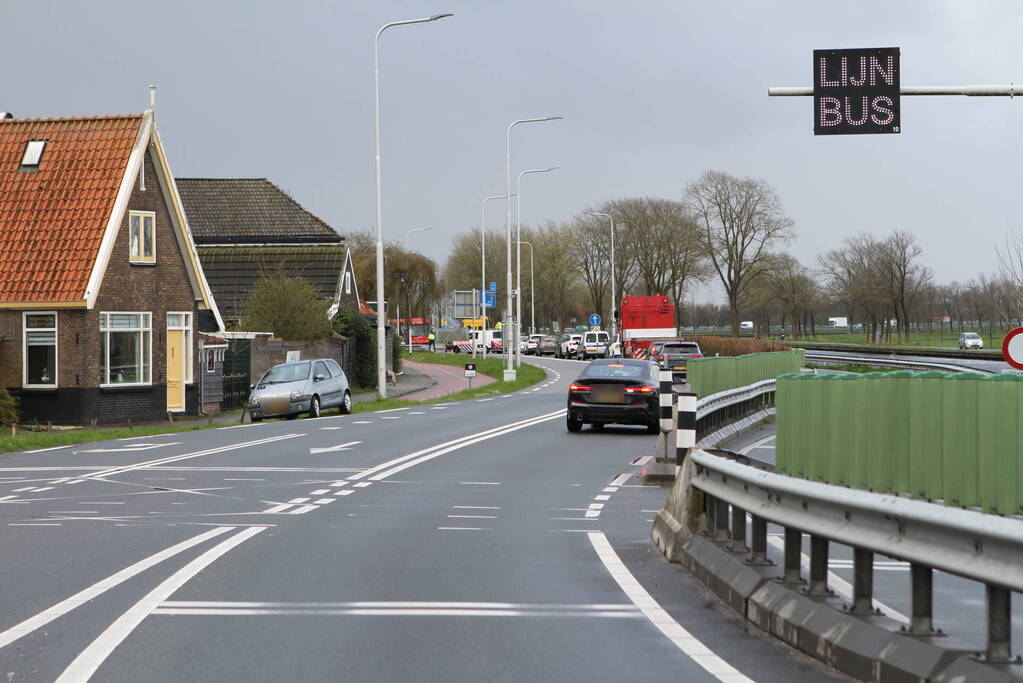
x=518, y=259
x=532, y=291
x=408, y=237
x=381, y=346
x=614, y=303
x=483, y=273
x=509, y=371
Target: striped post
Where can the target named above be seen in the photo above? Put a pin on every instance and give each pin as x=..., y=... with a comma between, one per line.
x=685, y=434
x=666, y=401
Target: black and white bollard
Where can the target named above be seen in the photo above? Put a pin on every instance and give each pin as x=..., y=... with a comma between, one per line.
x=685, y=433
x=667, y=400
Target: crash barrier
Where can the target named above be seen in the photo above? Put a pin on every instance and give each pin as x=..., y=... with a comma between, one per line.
x=929, y=537
x=935, y=436
x=708, y=376
x=883, y=362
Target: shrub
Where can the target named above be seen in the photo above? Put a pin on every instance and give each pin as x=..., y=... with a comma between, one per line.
x=8, y=408
x=289, y=308
x=736, y=346
x=354, y=325
x=396, y=353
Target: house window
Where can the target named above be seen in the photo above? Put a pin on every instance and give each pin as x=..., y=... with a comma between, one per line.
x=211, y=360
x=142, y=236
x=183, y=321
x=40, y=360
x=33, y=153
x=348, y=282
x=126, y=348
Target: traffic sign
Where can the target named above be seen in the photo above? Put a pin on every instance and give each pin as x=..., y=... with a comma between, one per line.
x=493, y=288
x=1012, y=348
x=488, y=300
x=856, y=91
x=470, y=370
x=595, y=319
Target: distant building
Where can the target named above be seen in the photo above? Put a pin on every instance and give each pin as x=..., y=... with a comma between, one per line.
x=247, y=229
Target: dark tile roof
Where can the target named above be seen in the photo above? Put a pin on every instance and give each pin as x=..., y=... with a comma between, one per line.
x=222, y=210
x=232, y=272
x=52, y=218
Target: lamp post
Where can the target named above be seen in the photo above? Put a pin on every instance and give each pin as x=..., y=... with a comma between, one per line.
x=509, y=371
x=483, y=272
x=532, y=291
x=408, y=237
x=518, y=259
x=614, y=303
x=381, y=346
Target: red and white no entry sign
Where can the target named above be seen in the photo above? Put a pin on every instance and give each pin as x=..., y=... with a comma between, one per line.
x=1012, y=348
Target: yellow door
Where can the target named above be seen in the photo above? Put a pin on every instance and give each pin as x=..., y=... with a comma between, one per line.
x=176, y=370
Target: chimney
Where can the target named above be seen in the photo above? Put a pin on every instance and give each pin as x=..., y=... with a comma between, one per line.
x=6, y=115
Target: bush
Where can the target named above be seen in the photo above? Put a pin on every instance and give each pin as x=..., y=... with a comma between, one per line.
x=736, y=346
x=354, y=325
x=289, y=308
x=8, y=408
x=396, y=353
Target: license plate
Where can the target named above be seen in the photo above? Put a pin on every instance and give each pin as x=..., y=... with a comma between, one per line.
x=609, y=396
x=273, y=406
x=680, y=367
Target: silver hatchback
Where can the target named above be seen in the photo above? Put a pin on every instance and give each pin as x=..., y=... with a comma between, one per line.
x=307, y=386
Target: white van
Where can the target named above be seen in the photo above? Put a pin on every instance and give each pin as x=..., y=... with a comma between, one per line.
x=593, y=345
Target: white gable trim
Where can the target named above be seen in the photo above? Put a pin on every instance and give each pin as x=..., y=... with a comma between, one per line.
x=346, y=267
x=182, y=232
x=106, y=247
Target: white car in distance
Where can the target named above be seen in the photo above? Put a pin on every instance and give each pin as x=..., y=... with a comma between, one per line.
x=971, y=340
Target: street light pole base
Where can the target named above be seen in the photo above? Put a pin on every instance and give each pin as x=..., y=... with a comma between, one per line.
x=509, y=375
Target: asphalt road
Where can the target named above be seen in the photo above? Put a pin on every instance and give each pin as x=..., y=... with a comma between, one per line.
x=469, y=541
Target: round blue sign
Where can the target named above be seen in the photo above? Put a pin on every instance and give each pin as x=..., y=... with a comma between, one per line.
x=595, y=319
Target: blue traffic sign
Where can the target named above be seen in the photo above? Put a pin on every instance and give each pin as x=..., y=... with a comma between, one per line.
x=595, y=319
x=488, y=300
x=493, y=288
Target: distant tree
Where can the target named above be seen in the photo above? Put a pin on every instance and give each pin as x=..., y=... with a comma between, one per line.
x=289, y=308
x=740, y=219
x=9, y=413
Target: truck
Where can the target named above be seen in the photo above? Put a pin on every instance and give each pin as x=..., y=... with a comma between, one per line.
x=477, y=338
x=419, y=328
x=645, y=319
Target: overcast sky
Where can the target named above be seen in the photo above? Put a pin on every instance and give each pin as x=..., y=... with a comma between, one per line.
x=653, y=93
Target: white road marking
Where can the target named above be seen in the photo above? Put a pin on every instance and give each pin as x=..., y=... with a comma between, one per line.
x=476, y=507
x=43, y=488
x=593, y=513
x=664, y=622
x=642, y=460
x=130, y=449
x=344, y=492
x=596, y=506
x=301, y=510
x=601, y=497
x=389, y=410
x=330, y=428
x=253, y=424
x=363, y=484
x=757, y=444
x=573, y=519
x=103, y=502
x=323, y=501
x=620, y=479
x=439, y=408
x=362, y=422
x=331, y=449
x=73, y=512
x=82, y=597
x=244, y=479
x=401, y=609
x=275, y=509
x=339, y=483
x=27, y=488
x=34, y=524
x=472, y=516
x=391, y=417
x=483, y=400
x=294, y=501
x=86, y=663
x=462, y=528
x=838, y=584
x=319, y=492
x=610, y=489
x=51, y=448
x=417, y=412
x=480, y=483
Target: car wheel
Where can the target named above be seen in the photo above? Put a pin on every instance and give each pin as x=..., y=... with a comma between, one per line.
x=346, y=403
x=292, y=416
x=573, y=424
x=597, y=426
x=314, y=407
x=256, y=419
x=653, y=428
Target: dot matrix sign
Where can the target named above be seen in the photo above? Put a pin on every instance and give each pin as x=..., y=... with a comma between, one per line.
x=856, y=91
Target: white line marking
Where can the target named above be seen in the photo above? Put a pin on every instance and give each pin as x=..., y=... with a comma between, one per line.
x=43, y=488
x=86, y=663
x=601, y=497
x=51, y=448
x=389, y=410
x=327, y=429
x=610, y=489
x=840, y=585
x=344, y=492
x=596, y=506
x=402, y=609
x=301, y=510
x=642, y=460
x=339, y=483
x=363, y=484
x=682, y=639
x=82, y=597
x=275, y=509
x=319, y=492
x=757, y=444
x=476, y=507
x=244, y=479
x=27, y=488
x=323, y=501
x=34, y=524
x=130, y=449
x=439, y=408
x=298, y=500
x=339, y=447
x=362, y=422
x=417, y=412
x=480, y=483
x=391, y=417
x=593, y=513
x=620, y=479
x=253, y=424
x=462, y=528
x=472, y=516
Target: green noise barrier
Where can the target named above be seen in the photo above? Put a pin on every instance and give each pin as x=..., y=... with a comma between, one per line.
x=951, y=437
x=708, y=376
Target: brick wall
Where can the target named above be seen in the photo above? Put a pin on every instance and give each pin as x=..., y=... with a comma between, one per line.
x=269, y=352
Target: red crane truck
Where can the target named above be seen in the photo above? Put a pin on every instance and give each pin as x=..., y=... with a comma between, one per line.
x=645, y=319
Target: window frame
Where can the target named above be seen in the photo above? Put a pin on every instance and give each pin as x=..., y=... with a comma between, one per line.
x=105, y=382
x=187, y=327
x=38, y=157
x=24, y=348
x=141, y=259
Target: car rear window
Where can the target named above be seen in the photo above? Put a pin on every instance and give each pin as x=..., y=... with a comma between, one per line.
x=681, y=348
x=614, y=371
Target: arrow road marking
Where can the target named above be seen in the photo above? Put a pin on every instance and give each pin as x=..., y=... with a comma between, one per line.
x=333, y=449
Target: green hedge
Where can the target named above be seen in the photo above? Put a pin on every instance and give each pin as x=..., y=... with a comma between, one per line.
x=955, y=437
x=708, y=376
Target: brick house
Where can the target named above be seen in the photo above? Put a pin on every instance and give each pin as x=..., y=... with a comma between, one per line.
x=101, y=290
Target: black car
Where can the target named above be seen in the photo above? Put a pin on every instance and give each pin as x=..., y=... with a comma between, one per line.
x=614, y=390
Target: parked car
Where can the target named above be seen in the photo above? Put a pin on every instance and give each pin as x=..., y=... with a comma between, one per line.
x=547, y=346
x=531, y=343
x=614, y=349
x=971, y=340
x=307, y=386
x=568, y=345
x=674, y=356
x=593, y=345
x=619, y=391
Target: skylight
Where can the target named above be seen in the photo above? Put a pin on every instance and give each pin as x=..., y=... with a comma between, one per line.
x=33, y=152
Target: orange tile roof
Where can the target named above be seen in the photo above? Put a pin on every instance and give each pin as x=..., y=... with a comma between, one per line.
x=52, y=219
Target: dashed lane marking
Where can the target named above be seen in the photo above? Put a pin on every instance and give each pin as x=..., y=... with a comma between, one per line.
x=302, y=509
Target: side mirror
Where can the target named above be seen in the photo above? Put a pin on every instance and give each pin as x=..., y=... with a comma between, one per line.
x=252, y=387
x=317, y=378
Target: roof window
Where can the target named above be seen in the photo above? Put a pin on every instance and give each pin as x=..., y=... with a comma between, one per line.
x=33, y=153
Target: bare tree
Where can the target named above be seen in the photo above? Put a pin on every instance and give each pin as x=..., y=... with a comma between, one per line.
x=740, y=219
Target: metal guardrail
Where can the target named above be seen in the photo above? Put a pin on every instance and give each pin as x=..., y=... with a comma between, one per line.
x=967, y=543
x=891, y=363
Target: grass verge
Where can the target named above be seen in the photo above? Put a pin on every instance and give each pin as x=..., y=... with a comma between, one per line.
x=845, y=368
x=528, y=375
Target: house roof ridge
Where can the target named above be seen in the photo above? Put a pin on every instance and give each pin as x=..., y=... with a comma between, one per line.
x=57, y=119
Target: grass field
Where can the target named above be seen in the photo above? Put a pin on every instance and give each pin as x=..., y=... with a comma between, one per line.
x=528, y=375
x=932, y=339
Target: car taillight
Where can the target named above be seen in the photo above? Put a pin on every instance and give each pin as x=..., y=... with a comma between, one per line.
x=640, y=390
x=697, y=356
x=578, y=387
x=662, y=356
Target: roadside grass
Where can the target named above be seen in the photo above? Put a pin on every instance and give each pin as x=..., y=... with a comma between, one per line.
x=844, y=368
x=945, y=339
x=528, y=375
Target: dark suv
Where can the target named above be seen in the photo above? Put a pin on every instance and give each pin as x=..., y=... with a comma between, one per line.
x=674, y=356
